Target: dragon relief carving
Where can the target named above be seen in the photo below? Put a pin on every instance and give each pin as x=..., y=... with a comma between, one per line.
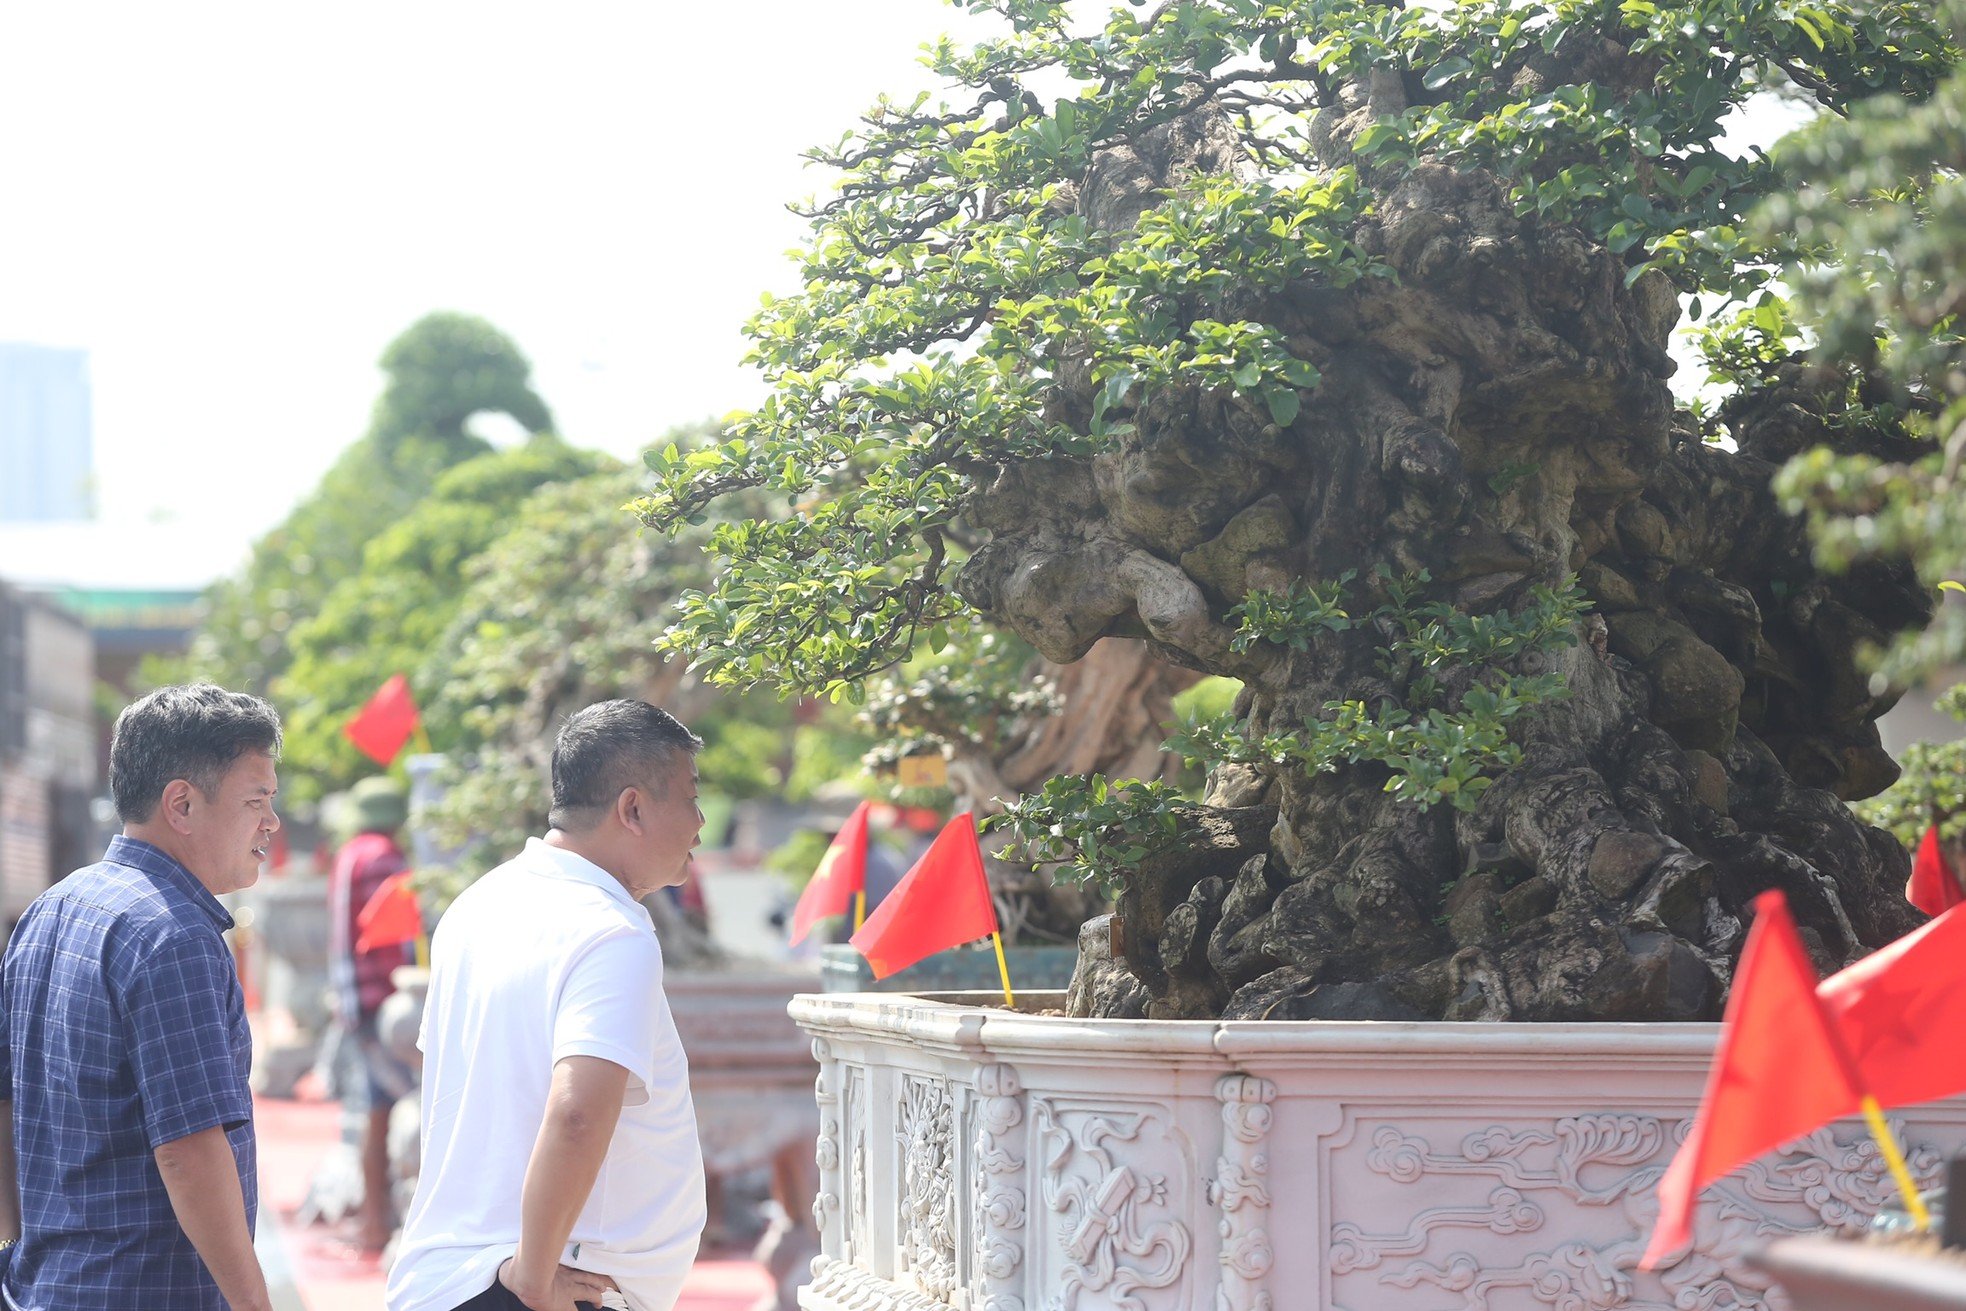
x=928, y=1206
x=1819, y=1181
x=1104, y=1209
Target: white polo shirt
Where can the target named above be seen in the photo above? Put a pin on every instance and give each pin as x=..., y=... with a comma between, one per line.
x=545, y=957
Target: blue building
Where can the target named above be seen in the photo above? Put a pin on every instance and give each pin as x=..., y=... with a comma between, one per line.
x=47, y=442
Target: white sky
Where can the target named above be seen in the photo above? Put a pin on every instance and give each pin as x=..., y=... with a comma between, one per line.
x=234, y=208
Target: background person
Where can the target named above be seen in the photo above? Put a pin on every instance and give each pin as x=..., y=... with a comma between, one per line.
x=560, y=1154
x=372, y=1079
x=125, y=1050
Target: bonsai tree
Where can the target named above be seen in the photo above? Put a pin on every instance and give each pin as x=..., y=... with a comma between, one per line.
x=1323, y=346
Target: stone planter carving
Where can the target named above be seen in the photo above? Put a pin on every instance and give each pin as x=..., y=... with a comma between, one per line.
x=980, y=1160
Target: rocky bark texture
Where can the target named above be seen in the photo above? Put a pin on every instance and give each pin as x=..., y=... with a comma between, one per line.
x=1496, y=414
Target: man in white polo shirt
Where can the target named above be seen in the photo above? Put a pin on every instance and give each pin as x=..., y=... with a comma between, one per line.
x=560, y=1158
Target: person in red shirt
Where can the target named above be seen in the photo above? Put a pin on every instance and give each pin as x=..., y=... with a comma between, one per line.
x=361, y=983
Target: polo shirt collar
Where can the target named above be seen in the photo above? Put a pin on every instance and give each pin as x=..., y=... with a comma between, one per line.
x=547, y=858
x=135, y=853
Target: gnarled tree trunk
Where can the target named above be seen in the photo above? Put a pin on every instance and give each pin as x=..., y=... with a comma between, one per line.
x=1496, y=414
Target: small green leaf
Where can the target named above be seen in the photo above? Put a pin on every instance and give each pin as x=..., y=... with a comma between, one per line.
x=1284, y=403
x=1444, y=72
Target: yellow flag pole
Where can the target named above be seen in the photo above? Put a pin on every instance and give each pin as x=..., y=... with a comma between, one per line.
x=1003, y=971
x=859, y=909
x=1874, y=1116
x=422, y=738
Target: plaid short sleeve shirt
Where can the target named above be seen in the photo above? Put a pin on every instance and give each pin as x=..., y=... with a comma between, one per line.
x=124, y=1029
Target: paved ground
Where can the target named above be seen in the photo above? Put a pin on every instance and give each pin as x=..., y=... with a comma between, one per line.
x=316, y=1269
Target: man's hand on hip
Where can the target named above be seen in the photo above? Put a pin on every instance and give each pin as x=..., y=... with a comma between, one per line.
x=569, y=1286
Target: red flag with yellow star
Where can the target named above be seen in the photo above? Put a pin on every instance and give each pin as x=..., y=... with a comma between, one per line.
x=842, y=872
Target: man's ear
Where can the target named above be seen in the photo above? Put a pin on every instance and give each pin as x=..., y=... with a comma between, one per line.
x=175, y=805
x=628, y=809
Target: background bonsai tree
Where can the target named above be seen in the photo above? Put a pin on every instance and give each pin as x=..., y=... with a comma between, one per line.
x=438, y=373
x=559, y=612
x=1880, y=206
x=1323, y=346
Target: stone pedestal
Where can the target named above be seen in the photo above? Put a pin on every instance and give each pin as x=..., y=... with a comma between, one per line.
x=751, y=1075
x=290, y=928
x=982, y=1160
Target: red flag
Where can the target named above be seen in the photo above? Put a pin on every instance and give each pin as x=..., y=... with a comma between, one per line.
x=1902, y=1013
x=1778, y=1072
x=943, y=901
x=380, y=727
x=1934, y=888
x=842, y=872
x=391, y=915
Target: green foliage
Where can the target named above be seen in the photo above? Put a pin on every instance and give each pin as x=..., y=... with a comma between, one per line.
x=1096, y=830
x=1635, y=165
x=831, y=750
x=1293, y=617
x=745, y=756
x=386, y=618
x=562, y=610
x=798, y=856
x=440, y=371
x=1091, y=829
x=954, y=301
x=445, y=368
x=1435, y=747
x=1932, y=789
x=1878, y=212
x=1210, y=697
x=1743, y=349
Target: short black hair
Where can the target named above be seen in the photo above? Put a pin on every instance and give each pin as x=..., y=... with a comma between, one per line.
x=607, y=748
x=193, y=732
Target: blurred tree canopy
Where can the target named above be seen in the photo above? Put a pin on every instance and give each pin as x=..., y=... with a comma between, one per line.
x=1876, y=241
x=389, y=615
x=1878, y=213
x=561, y=611
x=443, y=369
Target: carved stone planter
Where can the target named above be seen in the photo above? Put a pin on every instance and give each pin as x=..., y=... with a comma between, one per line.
x=987, y=1161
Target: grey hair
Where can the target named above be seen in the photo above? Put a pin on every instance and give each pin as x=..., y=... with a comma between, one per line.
x=607, y=748
x=193, y=732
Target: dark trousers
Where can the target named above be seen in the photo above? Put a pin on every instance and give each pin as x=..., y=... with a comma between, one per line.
x=500, y=1298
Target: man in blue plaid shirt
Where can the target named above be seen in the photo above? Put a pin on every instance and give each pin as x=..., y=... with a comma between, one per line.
x=123, y=1040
